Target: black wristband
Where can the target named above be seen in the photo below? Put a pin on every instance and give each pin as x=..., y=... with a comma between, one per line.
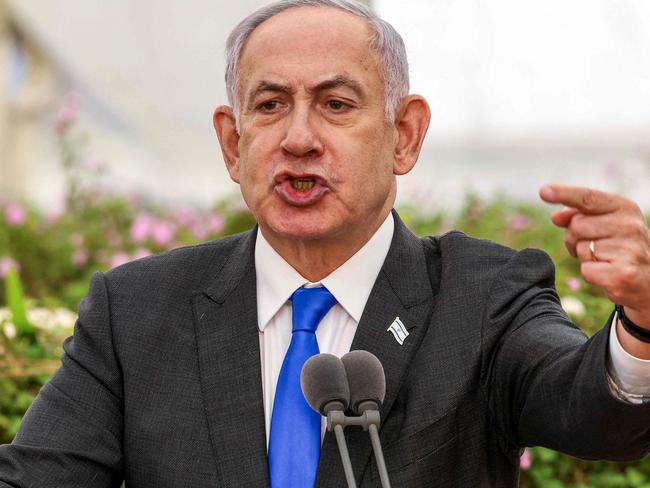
x=639, y=332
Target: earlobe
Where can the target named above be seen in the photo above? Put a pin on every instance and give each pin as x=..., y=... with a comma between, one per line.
x=226, y=129
x=411, y=123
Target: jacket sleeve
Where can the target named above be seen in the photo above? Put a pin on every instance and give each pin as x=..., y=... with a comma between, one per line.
x=545, y=382
x=72, y=433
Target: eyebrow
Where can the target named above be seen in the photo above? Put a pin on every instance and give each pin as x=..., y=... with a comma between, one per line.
x=338, y=81
x=335, y=82
x=269, y=86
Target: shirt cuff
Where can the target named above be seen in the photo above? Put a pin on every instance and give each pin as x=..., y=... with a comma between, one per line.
x=629, y=376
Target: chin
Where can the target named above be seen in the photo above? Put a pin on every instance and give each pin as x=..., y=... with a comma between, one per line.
x=302, y=231
x=302, y=226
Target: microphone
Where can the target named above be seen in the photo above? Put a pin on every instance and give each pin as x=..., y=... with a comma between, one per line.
x=366, y=380
x=357, y=380
x=367, y=383
x=324, y=384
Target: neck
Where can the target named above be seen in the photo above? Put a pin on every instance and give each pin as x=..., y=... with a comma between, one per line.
x=315, y=259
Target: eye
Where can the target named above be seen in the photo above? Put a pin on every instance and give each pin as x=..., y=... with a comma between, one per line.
x=336, y=105
x=269, y=106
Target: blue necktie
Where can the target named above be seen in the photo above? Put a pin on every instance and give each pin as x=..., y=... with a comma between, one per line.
x=294, y=444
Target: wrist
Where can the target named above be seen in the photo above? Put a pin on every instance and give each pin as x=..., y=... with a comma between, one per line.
x=638, y=318
x=631, y=328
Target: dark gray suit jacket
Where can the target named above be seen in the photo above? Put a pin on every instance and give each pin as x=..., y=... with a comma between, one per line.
x=161, y=383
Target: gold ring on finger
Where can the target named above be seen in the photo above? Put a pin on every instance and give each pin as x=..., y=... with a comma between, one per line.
x=592, y=250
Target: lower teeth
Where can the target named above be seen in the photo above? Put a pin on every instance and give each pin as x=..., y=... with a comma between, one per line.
x=302, y=185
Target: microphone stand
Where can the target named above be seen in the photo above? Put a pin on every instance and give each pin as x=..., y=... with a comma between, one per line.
x=336, y=422
x=379, y=455
x=369, y=420
x=345, y=455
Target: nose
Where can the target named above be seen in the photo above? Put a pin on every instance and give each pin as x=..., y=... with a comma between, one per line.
x=302, y=138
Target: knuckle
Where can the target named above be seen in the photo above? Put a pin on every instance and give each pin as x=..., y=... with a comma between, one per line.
x=589, y=199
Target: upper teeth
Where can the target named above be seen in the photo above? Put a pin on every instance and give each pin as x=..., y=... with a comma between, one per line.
x=302, y=184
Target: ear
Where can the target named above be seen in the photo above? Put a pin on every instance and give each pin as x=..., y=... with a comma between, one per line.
x=411, y=123
x=225, y=126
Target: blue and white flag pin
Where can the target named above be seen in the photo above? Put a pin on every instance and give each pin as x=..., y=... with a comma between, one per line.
x=399, y=331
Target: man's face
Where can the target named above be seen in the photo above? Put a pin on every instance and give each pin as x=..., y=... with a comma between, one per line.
x=315, y=152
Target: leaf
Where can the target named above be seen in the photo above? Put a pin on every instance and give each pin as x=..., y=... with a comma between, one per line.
x=16, y=304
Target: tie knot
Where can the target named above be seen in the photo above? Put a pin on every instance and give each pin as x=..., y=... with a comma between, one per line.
x=309, y=306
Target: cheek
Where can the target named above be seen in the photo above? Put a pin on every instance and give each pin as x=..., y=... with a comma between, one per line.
x=256, y=169
x=370, y=165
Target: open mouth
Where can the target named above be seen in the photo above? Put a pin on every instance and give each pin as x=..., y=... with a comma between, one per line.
x=302, y=184
x=300, y=189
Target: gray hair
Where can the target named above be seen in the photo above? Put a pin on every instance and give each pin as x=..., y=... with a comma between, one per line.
x=386, y=41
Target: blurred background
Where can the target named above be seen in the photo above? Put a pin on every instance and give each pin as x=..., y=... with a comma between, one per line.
x=107, y=151
x=521, y=93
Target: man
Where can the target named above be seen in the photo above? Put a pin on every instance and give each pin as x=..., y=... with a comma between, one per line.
x=176, y=360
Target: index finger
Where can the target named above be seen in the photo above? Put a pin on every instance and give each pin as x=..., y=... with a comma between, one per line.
x=587, y=200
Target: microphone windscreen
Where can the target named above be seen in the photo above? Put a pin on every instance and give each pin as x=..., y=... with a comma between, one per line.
x=366, y=378
x=323, y=380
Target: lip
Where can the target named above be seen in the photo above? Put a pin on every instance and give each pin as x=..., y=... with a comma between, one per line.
x=300, y=198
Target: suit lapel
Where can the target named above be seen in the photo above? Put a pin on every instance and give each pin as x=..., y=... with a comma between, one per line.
x=230, y=370
x=403, y=290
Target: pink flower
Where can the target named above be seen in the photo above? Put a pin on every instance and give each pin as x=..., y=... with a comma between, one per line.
x=7, y=263
x=162, y=232
x=15, y=214
x=79, y=258
x=525, y=460
x=517, y=222
x=186, y=216
x=142, y=252
x=66, y=113
x=199, y=231
x=573, y=283
x=214, y=224
x=118, y=259
x=64, y=118
x=141, y=227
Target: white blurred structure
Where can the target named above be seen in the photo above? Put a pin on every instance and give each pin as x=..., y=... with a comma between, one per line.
x=521, y=93
x=526, y=92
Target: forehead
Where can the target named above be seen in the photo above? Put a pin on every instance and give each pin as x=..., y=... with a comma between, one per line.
x=304, y=43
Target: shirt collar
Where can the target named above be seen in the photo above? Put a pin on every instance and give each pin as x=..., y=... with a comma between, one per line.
x=351, y=283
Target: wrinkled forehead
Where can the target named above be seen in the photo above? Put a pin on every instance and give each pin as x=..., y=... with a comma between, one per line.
x=305, y=41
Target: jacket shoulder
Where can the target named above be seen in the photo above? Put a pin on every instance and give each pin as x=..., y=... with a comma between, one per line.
x=471, y=262
x=457, y=246
x=189, y=268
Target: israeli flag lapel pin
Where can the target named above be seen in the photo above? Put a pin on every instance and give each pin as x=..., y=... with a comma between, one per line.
x=399, y=331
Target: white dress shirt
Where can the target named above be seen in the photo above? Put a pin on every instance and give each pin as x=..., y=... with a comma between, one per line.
x=351, y=284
